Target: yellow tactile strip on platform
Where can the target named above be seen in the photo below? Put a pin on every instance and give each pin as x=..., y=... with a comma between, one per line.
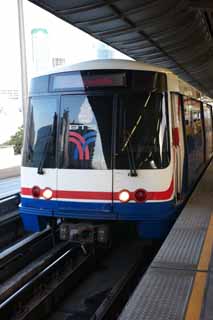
x=194, y=307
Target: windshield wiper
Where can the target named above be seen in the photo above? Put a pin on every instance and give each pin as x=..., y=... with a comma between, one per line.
x=44, y=155
x=131, y=159
x=130, y=156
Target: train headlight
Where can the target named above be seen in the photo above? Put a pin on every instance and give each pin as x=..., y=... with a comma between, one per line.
x=47, y=193
x=36, y=191
x=140, y=195
x=124, y=196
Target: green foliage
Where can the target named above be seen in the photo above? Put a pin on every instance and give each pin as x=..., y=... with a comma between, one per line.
x=17, y=140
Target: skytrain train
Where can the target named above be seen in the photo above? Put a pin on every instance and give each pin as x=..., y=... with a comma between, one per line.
x=109, y=141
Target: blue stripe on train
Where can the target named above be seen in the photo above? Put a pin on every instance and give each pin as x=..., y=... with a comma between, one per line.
x=153, y=219
x=97, y=210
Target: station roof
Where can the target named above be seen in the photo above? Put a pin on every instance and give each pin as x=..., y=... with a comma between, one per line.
x=175, y=34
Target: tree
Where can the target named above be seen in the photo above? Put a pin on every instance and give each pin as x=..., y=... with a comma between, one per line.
x=17, y=140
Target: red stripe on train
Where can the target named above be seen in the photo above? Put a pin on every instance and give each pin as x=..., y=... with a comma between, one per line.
x=93, y=195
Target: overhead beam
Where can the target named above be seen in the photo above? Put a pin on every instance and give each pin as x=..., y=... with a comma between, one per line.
x=201, y=4
x=165, y=32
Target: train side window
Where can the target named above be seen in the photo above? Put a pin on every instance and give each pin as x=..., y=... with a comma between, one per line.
x=193, y=120
x=208, y=129
x=194, y=136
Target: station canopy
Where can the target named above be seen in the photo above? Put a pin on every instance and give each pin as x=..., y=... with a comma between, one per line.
x=176, y=34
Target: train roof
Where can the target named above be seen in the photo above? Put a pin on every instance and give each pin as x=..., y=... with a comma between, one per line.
x=109, y=64
x=177, y=84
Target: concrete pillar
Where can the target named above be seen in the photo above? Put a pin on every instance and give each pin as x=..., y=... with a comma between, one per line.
x=23, y=60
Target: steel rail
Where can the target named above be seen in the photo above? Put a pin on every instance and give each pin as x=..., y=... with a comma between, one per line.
x=33, y=268
x=17, y=256
x=32, y=300
x=11, y=228
x=9, y=203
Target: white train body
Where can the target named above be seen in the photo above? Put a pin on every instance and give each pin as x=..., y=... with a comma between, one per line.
x=111, y=140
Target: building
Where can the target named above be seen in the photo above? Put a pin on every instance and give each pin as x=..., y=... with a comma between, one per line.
x=56, y=61
x=104, y=52
x=9, y=93
x=40, y=50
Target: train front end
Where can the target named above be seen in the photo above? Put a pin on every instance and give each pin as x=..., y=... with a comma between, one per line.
x=97, y=150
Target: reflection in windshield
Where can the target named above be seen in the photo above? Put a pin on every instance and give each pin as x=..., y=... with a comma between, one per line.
x=40, y=143
x=50, y=143
x=86, y=132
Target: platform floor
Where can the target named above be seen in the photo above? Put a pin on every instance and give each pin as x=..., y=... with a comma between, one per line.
x=9, y=186
x=179, y=283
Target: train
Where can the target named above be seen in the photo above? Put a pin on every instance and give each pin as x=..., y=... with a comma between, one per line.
x=111, y=141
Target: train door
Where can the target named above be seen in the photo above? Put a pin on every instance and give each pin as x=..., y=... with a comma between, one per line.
x=85, y=156
x=194, y=138
x=178, y=144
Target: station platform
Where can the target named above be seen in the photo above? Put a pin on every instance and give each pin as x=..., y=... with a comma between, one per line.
x=9, y=187
x=179, y=283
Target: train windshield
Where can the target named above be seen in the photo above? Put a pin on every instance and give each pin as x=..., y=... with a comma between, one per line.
x=86, y=132
x=117, y=121
x=142, y=134
x=40, y=139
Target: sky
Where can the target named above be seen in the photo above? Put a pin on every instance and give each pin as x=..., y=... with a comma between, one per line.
x=64, y=41
x=9, y=52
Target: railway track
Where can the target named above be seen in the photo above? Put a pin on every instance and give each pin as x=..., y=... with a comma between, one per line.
x=103, y=294
x=78, y=284
x=20, y=254
x=9, y=203
x=10, y=223
x=23, y=261
x=30, y=299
